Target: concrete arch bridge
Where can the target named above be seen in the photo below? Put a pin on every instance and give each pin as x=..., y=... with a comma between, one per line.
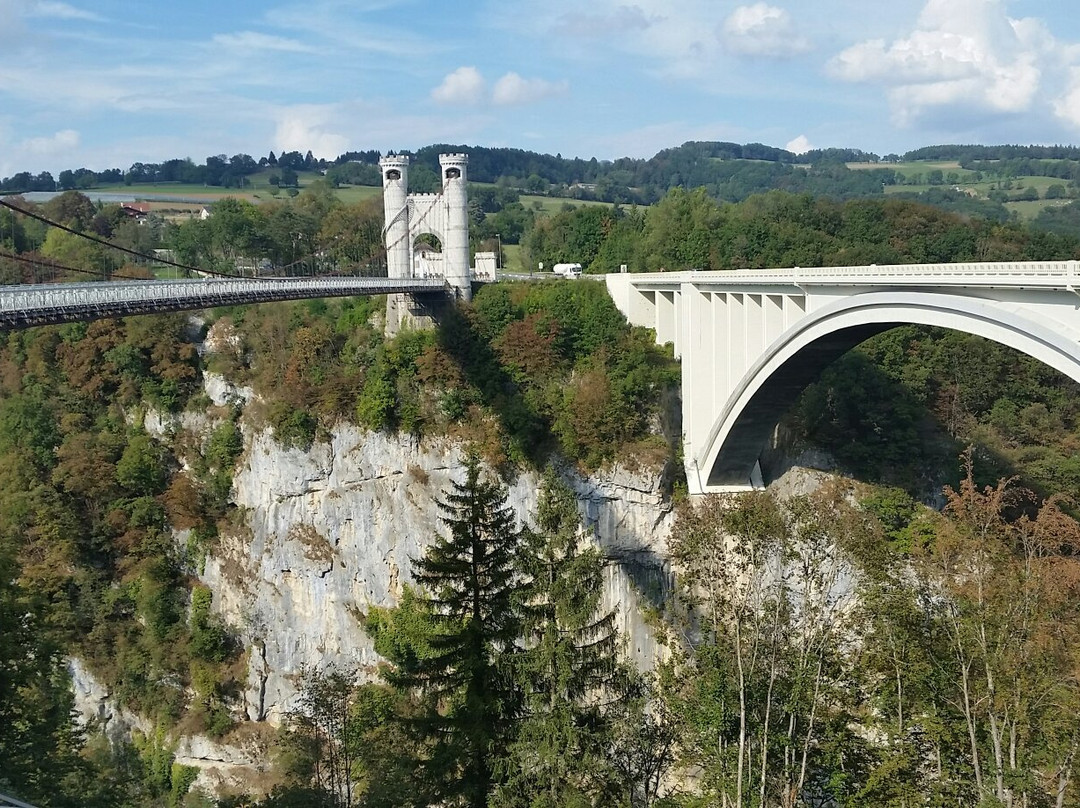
x=750, y=341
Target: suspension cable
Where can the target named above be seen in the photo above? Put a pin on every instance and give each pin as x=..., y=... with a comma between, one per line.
x=96, y=240
x=22, y=258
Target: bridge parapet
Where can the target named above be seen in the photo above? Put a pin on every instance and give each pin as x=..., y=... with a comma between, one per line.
x=1003, y=275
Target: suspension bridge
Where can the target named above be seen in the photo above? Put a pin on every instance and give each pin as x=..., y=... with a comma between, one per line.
x=48, y=302
x=28, y=305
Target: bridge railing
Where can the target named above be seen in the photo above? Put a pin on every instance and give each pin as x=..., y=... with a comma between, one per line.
x=1056, y=274
x=39, y=304
x=1000, y=269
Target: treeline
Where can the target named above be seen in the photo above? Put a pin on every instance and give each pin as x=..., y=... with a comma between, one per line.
x=685, y=230
x=1026, y=167
x=690, y=230
x=42, y=248
x=963, y=153
x=314, y=228
x=729, y=170
x=218, y=170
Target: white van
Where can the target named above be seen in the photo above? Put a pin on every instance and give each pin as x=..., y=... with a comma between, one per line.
x=568, y=271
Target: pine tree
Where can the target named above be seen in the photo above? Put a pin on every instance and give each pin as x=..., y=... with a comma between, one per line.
x=471, y=582
x=568, y=670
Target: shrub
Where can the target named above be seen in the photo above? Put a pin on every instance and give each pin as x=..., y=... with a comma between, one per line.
x=293, y=428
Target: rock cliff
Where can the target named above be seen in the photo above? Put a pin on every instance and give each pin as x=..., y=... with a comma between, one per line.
x=329, y=532
x=322, y=535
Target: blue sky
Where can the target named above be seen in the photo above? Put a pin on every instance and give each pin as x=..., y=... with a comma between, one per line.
x=108, y=83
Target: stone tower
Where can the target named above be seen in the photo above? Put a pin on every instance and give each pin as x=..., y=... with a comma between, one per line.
x=455, y=239
x=395, y=172
x=445, y=215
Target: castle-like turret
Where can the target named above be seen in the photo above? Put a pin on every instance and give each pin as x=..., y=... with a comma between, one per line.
x=456, y=224
x=396, y=236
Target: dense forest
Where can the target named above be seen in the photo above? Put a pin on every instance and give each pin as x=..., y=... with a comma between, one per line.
x=851, y=647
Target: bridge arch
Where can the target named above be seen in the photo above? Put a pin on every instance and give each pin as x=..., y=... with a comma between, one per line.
x=773, y=382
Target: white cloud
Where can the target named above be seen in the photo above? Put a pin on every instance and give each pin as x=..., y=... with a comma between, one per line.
x=306, y=126
x=252, y=41
x=62, y=141
x=345, y=26
x=688, y=40
x=962, y=55
x=32, y=153
x=1067, y=107
x=800, y=145
x=762, y=30
x=671, y=39
x=464, y=86
x=512, y=89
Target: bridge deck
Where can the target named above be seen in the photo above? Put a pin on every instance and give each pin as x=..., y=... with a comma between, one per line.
x=30, y=305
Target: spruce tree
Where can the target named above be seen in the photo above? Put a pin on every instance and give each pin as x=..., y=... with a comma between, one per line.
x=567, y=671
x=471, y=581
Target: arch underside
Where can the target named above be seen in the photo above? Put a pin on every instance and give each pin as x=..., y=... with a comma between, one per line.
x=415, y=234
x=771, y=387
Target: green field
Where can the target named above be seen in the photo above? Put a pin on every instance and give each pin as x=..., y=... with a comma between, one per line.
x=549, y=205
x=911, y=168
x=1029, y=210
x=257, y=189
x=511, y=254
x=970, y=182
x=350, y=194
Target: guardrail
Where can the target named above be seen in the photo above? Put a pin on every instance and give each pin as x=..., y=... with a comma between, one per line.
x=29, y=305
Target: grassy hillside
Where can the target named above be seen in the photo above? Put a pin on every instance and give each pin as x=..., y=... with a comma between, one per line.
x=1013, y=190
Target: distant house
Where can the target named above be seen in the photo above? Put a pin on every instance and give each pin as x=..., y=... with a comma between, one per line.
x=204, y=214
x=135, y=210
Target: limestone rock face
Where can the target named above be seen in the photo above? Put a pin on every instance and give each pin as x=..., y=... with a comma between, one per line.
x=221, y=766
x=93, y=702
x=329, y=532
x=322, y=535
